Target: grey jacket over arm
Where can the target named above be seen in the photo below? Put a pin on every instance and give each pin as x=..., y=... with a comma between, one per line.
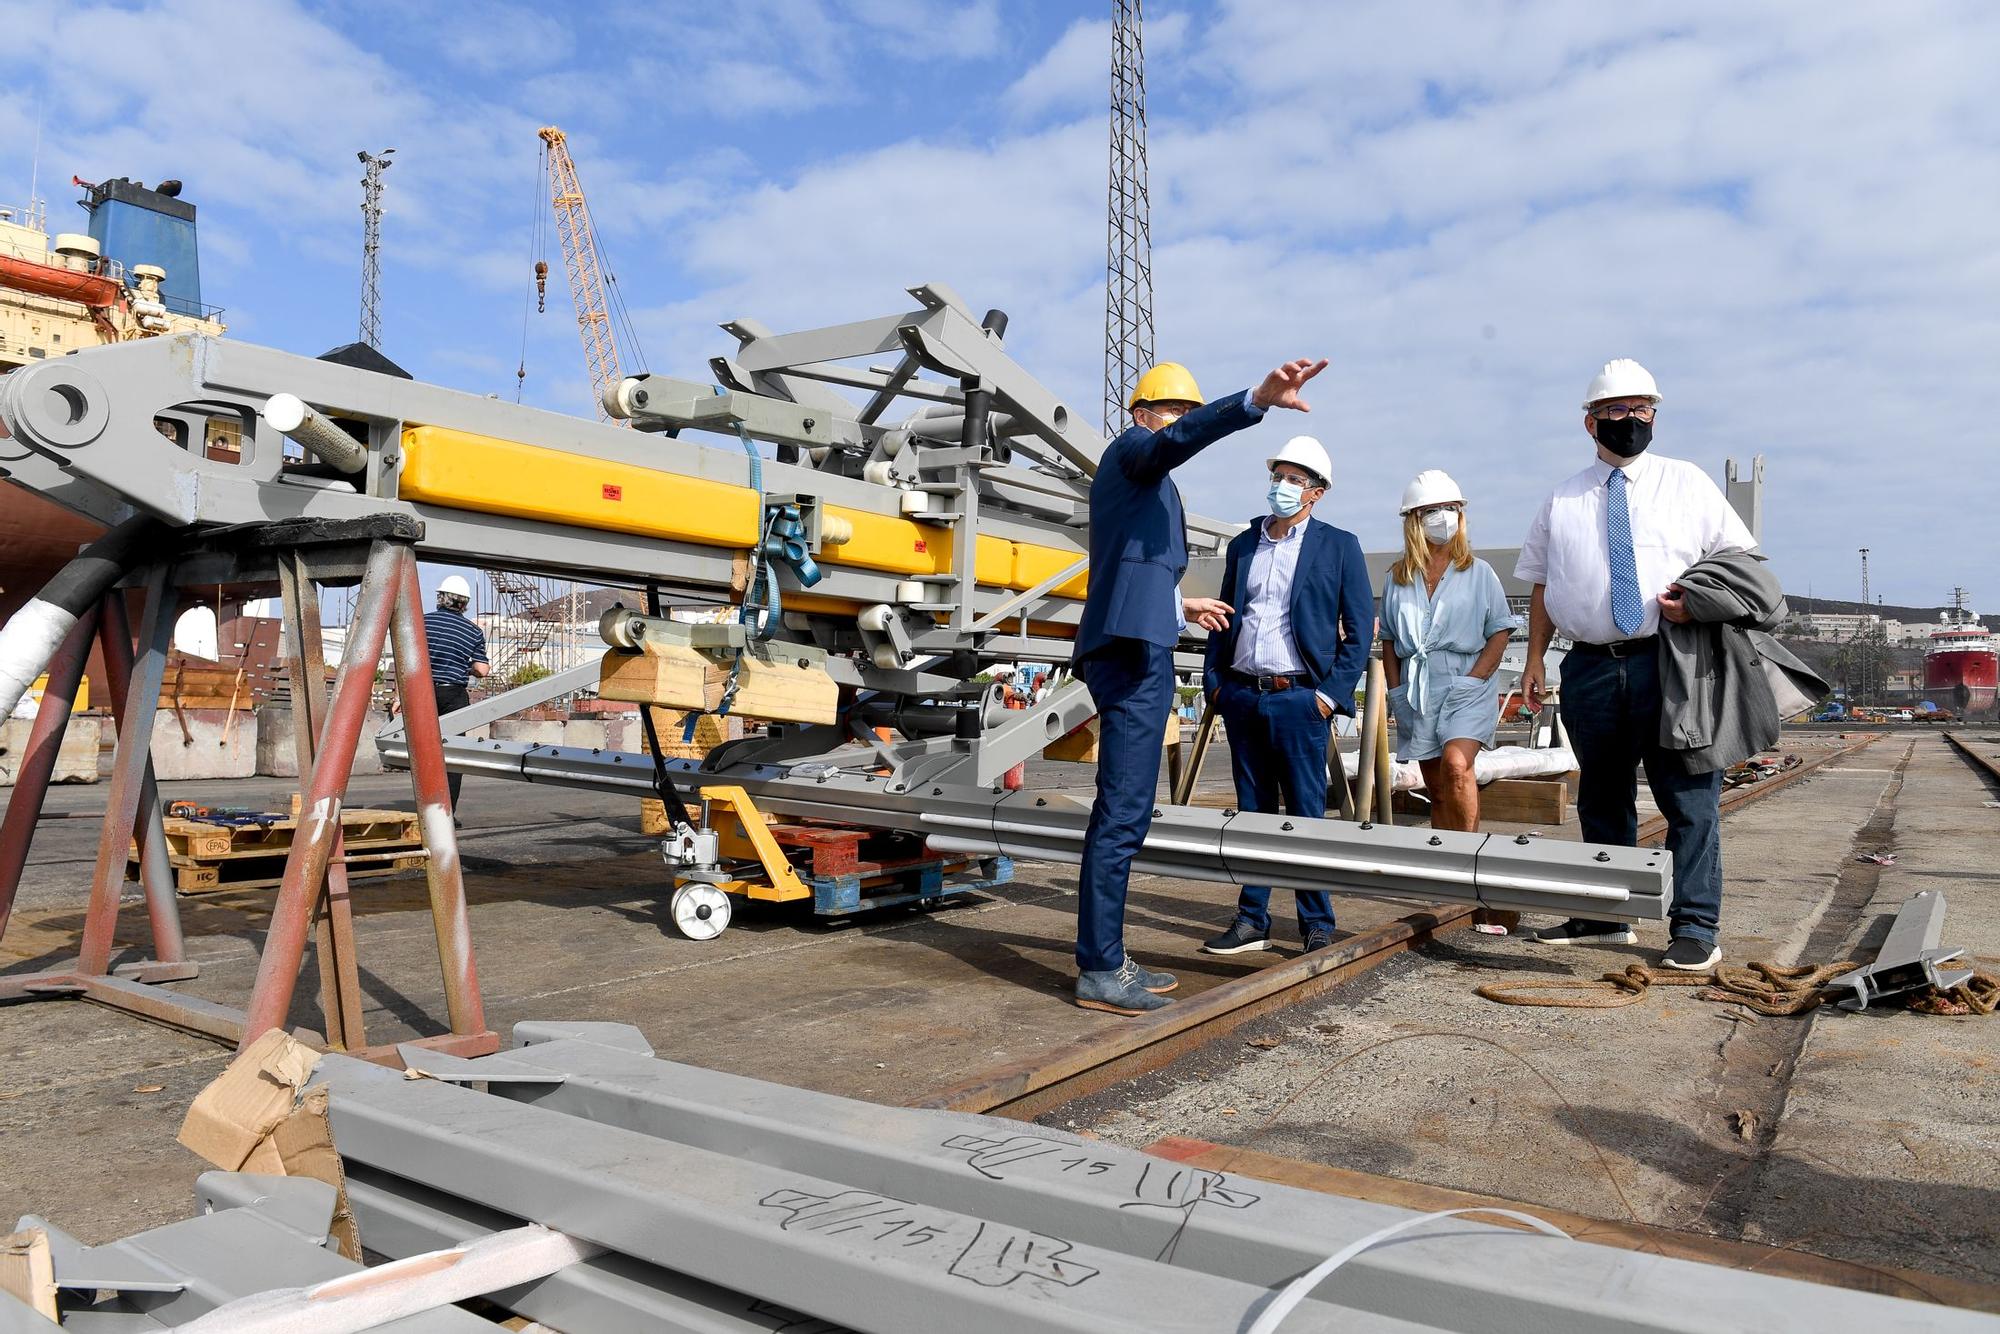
x=1726, y=685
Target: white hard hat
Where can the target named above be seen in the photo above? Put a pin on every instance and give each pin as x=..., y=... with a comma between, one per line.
x=1432, y=486
x=1621, y=378
x=1307, y=453
x=455, y=586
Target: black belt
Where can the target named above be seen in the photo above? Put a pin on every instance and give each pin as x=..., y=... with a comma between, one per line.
x=1268, y=683
x=1619, y=648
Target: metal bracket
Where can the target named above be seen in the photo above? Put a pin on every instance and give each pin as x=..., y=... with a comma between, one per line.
x=1908, y=959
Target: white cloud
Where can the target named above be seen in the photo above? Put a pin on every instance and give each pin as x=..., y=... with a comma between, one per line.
x=1073, y=75
x=1786, y=210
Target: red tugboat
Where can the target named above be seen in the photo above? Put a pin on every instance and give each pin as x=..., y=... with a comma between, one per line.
x=1962, y=662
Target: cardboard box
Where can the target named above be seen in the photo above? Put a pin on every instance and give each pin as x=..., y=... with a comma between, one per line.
x=254, y=1118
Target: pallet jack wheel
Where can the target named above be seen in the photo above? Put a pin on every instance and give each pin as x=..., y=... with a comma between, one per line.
x=700, y=911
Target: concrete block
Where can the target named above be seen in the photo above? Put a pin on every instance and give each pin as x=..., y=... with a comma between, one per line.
x=530, y=731
x=624, y=733
x=586, y=733
x=278, y=757
x=76, y=761
x=603, y=708
x=216, y=743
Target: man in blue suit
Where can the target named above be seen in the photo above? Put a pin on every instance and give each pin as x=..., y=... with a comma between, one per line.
x=1289, y=662
x=1132, y=618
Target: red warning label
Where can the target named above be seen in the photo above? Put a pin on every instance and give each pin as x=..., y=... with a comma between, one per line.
x=921, y=548
x=613, y=492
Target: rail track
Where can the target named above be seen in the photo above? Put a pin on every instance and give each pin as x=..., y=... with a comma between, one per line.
x=1987, y=764
x=1026, y=1089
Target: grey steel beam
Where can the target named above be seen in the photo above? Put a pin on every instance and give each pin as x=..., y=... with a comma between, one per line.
x=1228, y=847
x=608, y=1294
x=1465, y=1276
x=841, y=1251
x=173, y=1274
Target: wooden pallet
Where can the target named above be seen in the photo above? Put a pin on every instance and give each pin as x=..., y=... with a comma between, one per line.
x=361, y=828
x=268, y=872
x=207, y=858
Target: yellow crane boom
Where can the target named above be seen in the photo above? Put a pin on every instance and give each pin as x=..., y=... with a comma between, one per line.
x=586, y=270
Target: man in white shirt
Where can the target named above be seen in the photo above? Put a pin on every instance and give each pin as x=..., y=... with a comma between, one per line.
x=1603, y=554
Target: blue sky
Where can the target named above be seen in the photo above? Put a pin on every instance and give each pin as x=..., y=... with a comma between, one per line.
x=1786, y=209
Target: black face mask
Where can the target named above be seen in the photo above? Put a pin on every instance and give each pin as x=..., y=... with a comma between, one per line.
x=1627, y=439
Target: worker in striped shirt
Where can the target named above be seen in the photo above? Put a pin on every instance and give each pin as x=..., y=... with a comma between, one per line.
x=458, y=653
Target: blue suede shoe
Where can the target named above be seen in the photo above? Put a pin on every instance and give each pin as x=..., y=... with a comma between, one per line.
x=1120, y=990
x=1153, y=980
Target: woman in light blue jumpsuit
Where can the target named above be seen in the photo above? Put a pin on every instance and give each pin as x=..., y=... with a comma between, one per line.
x=1445, y=624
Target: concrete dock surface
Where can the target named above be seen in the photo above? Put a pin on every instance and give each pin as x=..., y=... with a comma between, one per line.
x=1866, y=1137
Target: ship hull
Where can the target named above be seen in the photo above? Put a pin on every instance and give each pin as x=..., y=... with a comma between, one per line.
x=1965, y=681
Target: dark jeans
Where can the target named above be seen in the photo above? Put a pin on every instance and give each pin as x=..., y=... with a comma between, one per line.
x=1611, y=707
x=1277, y=749
x=449, y=698
x=1132, y=683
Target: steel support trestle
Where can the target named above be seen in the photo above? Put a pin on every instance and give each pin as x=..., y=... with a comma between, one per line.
x=313, y=892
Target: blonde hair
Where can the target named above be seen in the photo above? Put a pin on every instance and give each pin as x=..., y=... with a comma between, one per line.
x=1417, y=549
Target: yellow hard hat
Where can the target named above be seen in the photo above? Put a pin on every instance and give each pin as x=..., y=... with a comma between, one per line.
x=1168, y=382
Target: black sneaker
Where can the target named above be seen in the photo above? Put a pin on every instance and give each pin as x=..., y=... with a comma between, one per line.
x=1583, y=931
x=1317, y=939
x=1691, y=955
x=1240, y=938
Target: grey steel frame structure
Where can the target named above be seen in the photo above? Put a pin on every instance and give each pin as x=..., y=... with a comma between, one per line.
x=986, y=450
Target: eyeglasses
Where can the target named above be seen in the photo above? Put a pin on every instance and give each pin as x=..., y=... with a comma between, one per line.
x=1618, y=412
x=1299, y=480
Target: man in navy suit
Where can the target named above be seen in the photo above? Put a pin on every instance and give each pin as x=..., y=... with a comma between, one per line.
x=1289, y=662
x=1132, y=618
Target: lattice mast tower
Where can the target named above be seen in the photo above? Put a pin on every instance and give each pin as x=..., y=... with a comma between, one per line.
x=1128, y=250
x=587, y=271
x=1861, y=625
x=373, y=165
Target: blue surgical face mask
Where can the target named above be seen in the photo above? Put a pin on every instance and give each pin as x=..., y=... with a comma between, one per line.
x=1284, y=498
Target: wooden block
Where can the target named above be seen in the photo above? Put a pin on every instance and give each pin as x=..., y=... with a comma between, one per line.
x=1506, y=801
x=1080, y=746
x=28, y=1272
x=834, y=851
x=710, y=731
x=653, y=821
x=190, y=879
x=677, y=677
x=785, y=689
x=1524, y=801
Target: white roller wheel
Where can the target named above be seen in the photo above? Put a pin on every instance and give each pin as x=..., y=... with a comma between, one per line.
x=700, y=911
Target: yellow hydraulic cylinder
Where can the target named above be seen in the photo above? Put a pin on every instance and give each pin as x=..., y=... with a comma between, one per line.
x=461, y=470
x=475, y=472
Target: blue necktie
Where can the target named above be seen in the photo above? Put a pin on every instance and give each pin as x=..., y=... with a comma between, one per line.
x=1628, y=613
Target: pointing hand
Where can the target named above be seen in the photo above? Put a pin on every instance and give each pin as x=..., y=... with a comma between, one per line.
x=1281, y=387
